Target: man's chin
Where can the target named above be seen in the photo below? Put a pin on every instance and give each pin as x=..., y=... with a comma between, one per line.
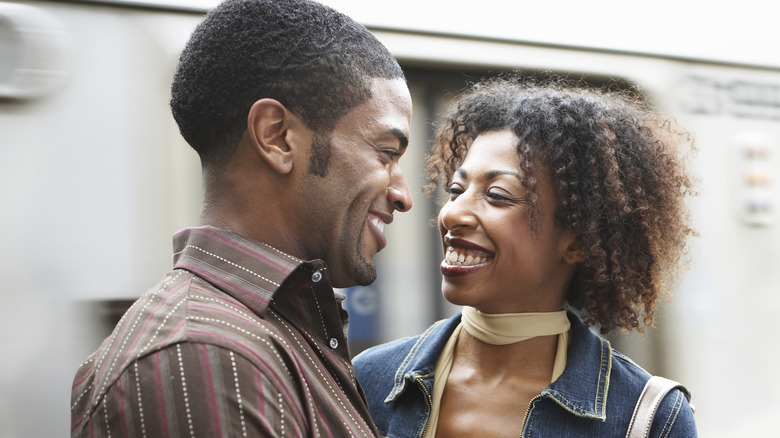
x=364, y=271
x=362, y=275
x=365, y=275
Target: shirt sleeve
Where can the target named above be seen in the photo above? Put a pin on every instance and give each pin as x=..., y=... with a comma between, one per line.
x=200, y=390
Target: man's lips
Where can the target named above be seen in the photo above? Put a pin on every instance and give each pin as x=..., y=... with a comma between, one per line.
x=377, y=225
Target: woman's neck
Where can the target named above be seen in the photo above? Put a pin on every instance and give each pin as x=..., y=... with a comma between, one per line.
x=530, y=359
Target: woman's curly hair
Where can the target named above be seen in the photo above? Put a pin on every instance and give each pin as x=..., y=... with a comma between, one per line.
x=618, y=172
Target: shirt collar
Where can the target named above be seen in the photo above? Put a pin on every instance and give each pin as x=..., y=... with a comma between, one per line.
x=421, y=359
x=246, y=269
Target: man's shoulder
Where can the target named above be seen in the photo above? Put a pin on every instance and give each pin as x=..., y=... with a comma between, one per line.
x=225, y=322
x=211, y=316
x=181, y=309
x=183, y=318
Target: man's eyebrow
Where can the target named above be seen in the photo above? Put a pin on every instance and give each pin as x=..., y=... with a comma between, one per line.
x=402, y=138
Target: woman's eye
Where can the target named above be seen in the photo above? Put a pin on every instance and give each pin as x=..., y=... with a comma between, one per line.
x=454, y=190
x=498, y=195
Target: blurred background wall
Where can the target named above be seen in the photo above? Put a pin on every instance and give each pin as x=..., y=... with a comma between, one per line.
x=94, y=178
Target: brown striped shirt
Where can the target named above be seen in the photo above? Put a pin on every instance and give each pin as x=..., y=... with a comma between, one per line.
x=239, y=339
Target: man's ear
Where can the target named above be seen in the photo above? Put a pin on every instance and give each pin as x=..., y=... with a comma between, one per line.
x=268, y=126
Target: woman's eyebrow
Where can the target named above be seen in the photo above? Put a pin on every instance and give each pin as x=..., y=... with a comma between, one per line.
x=491, y=174
x=495, y=173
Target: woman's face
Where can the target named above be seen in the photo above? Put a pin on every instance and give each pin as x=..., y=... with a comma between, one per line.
x=494, y=259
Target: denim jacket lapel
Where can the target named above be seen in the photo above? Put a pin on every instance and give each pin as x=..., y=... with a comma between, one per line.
x=421, y=359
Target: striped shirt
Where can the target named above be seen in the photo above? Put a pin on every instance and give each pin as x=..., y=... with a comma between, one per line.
x=238, y=340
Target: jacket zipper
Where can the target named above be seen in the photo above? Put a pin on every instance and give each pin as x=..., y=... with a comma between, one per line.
x=528, y=411
x=429, y=399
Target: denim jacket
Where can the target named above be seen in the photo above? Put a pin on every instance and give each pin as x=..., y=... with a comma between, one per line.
x=594, y=397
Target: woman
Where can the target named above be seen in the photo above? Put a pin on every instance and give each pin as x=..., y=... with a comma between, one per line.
x=559, y=197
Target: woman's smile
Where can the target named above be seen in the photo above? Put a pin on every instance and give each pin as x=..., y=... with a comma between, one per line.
x=463, y=257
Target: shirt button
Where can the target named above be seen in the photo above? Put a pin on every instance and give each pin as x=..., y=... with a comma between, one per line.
x=334, y=343
x=316, y=276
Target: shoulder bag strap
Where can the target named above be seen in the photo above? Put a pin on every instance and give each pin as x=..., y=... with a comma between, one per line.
x=655, y=390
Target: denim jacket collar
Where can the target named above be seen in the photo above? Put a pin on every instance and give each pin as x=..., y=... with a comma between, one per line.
x=421, y=360
x=581, y=389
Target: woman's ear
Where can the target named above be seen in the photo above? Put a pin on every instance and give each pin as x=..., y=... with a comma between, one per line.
x=268, y=126
x=573, y=253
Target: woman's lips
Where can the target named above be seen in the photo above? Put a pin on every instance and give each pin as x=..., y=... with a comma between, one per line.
x=462, y=257
x=451, y=270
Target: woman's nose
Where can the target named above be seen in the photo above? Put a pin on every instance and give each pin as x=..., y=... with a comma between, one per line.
x=458, y=213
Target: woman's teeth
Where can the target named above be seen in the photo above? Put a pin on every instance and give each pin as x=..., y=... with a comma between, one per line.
x=455, y=258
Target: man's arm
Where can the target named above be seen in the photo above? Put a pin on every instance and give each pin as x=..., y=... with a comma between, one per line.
x=200, y=390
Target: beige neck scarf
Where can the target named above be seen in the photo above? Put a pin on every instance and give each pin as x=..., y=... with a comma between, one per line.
x=498, y=329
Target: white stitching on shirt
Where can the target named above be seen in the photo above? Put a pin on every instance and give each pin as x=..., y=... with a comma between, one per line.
x=281, y=415
x=159, y=327
x=105, y=415
x=252, y=317
x=140, y=403
x=184, y=389
x=304, y=384
x=287, y=256
x=324, y=379
x=99, y=362
x=238, y=393
x=246, y=332
x=274, y=350
x=232, y=264
x=331, y=370
x=226, y=304
x=317, y=302
x=131, y=330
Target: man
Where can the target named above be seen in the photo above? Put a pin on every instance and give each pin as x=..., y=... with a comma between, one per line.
x=299, y=116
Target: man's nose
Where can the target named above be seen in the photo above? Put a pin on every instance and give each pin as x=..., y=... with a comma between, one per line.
x=398, y=191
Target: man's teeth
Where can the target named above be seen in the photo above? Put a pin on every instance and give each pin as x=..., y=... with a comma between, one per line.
x=379, y=223
x=456, y=258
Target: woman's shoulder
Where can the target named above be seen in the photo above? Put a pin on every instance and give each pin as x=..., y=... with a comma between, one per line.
x=674, y=416
x=619, y=381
